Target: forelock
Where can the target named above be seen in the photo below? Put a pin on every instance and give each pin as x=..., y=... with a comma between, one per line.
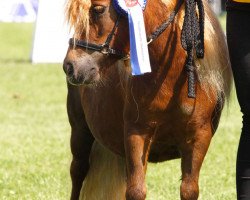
x=77, y=15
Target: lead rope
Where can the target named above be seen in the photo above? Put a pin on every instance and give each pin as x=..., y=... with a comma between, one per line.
x=192, y=38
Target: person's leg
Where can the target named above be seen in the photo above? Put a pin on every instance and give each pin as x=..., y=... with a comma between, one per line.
x=238, y=37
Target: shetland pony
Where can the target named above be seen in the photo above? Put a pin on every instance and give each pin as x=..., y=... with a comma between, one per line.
x=120, y=122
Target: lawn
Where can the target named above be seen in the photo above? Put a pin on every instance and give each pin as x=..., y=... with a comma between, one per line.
x=34, y=133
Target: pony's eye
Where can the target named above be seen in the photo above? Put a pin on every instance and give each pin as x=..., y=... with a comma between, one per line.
x=98, y=10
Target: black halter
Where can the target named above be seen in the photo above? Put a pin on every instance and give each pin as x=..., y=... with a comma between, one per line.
x=103, y=48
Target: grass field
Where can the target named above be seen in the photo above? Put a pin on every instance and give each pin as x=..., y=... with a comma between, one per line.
x=34, y=134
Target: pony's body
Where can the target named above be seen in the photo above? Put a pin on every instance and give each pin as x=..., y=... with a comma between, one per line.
x=165, y=116
x=149, y=117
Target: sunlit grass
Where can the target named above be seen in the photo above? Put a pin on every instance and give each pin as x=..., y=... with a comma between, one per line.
x=34, y=133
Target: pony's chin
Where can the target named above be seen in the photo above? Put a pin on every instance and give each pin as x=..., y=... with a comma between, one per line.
x=86, y=81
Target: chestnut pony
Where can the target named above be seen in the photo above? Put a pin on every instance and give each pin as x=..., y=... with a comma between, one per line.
x=119, y=122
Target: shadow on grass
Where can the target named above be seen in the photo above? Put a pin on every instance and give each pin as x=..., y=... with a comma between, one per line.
x=15, y=60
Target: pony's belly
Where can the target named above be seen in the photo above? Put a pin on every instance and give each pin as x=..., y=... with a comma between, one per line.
x=164, y=147
x=163, y=153
x=168, y=137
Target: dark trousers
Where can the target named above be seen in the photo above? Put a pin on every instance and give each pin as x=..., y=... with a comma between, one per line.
x=238, y=37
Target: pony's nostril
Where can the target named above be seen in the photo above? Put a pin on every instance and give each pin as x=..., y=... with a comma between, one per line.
x=69, y=69
x=93, y=69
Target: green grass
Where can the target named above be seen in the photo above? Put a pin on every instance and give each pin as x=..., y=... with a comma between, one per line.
x=34, y=134
x=34, y=131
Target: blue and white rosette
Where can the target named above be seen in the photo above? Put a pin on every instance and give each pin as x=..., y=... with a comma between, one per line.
x=121, y=8
x=139, y=56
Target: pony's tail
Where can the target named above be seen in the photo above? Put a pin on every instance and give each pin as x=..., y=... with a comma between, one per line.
x=106, y=179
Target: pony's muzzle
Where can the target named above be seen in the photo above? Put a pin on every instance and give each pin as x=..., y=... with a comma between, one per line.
x=68, y=69
x=79, y=73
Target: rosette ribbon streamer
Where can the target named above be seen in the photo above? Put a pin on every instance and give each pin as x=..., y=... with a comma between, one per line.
x=139, y=56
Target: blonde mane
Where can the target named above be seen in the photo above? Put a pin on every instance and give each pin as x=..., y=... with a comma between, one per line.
x=77, y=16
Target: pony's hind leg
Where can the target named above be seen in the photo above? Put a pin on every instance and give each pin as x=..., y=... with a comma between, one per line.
x=81, y=141
x=193, y=152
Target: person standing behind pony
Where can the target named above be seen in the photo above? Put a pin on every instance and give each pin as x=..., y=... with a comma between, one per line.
x=238, y=38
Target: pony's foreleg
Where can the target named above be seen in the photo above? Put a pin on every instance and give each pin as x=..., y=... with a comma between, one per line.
x=193, y=152
x=137, y=148
x=80, y=142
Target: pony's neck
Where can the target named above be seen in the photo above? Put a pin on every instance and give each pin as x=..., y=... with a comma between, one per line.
x=167, y=46
x=157, y=12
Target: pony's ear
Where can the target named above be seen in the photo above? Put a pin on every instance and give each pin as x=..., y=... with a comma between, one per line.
x=77, y=15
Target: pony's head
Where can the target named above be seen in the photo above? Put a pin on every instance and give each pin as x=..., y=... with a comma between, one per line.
x=100, y=39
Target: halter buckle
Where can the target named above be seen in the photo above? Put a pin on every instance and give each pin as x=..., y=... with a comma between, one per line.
x=105, y=50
